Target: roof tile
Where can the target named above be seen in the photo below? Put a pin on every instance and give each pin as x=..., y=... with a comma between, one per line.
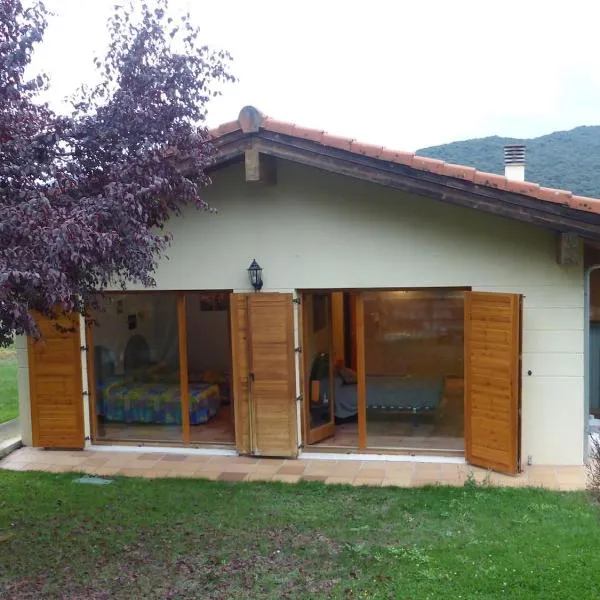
x=584, y=203
x=421, y=163
x=397, y=156
x=460, y=171
x=552, y=195
x=281, y=127
x=314, y=135
x=491, y=180
x=343, y=143
x=432, y=165
x=367, y=149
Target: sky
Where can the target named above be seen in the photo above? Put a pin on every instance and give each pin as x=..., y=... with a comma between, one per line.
x=405, y=74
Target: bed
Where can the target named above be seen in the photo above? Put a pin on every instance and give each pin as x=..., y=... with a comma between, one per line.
x=125, y=400
x=401, y=394
x=148, y=393
x=391, y=393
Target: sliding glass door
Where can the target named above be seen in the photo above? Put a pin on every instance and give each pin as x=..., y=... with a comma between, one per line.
x=136, y=369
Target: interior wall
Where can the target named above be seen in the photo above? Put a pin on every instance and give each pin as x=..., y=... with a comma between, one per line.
x=156, y=320
x=207, y=338
x=418, y=333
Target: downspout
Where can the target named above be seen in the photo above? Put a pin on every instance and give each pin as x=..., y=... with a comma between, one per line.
x=586, y=361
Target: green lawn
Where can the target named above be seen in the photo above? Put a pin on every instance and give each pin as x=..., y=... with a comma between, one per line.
x=9, y=403
x=199, y=539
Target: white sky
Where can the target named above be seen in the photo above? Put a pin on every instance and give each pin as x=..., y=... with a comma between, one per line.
x=400, y=73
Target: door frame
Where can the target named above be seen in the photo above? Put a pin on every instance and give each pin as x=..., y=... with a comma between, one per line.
x=356, y=318
x=316, y=434
x=181, y=307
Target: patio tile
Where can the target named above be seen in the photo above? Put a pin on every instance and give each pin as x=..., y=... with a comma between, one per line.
x=371, y=473
x=340, y=480
x=321, y=478
x=397, y=482
x=245, y=460
x=285, y=478
x=133, y=472
x=95, y=461
x=232, y=476
x=22, y=466
x=106, y=471
x=150, y=456
x=272, y=462
x=154, y=474
x=174, y=457
x=56, y=469
x=259, y=476
x=571, y=487
x=206, y=474
x=183, y=467
x=548, y=482
x=371, y=481
x=292, y=469
x=347, y=467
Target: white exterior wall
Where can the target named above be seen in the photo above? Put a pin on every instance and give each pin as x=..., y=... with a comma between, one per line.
x=317, y=230
x=23, y=389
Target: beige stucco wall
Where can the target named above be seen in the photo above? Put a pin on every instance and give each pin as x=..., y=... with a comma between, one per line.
x=317, y=230
x=23, y=389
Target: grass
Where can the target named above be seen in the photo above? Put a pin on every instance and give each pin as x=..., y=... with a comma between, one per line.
x=9, y=402
x=184, y=538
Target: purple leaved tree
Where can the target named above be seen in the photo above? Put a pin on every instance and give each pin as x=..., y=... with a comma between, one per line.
x=84, y=198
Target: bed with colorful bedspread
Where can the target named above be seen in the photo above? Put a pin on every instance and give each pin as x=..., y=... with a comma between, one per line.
x=129, y=400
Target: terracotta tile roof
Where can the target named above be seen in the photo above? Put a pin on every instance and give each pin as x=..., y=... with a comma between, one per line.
x=251, y=120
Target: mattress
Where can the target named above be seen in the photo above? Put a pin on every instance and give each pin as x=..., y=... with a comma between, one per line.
x=128, y=401
x=408, y=394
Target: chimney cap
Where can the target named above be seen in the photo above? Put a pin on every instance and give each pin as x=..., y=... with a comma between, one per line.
x=514, y=154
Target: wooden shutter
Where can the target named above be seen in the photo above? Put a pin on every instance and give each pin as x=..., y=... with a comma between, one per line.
x=273, y=381
x=263, y=373
x=492, y=380
x=238, y=306
x=55, y=385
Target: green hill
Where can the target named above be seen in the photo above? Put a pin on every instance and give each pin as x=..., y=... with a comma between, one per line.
x=568, y=160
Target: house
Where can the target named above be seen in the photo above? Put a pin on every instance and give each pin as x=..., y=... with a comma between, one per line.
x=343, y=298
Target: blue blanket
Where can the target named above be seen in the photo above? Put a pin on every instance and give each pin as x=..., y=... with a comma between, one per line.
x=409, y=394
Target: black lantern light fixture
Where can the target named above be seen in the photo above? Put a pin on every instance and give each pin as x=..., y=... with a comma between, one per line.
x=255, y=273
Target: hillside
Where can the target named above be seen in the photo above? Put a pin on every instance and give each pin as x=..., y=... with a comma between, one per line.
x=568, y=160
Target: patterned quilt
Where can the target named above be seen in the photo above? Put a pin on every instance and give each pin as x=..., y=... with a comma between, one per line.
x=128, y=401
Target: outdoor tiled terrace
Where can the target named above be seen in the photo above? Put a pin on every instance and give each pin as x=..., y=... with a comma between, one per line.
x=238, y=468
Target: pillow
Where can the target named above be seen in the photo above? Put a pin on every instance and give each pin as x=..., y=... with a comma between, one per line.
x=348, y=376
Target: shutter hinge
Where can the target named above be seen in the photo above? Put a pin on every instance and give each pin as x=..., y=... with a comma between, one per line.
x=296, y=300
x=300, y=398
x=298, y=349
x=84, y=348
x=85, y=393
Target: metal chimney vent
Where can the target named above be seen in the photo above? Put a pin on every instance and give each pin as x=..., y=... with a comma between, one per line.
x=514, y=154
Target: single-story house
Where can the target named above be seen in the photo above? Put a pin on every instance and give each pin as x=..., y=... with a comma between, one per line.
x=343, y=297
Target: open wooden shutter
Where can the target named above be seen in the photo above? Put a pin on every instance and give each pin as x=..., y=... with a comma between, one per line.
x=492, y=380
x=273, y=381
x=56, y=387
x=264, y=375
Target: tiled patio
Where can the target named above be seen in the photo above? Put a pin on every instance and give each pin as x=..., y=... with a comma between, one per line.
x=238, y=468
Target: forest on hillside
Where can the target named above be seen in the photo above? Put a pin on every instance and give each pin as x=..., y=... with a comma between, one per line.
x=568, y=160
